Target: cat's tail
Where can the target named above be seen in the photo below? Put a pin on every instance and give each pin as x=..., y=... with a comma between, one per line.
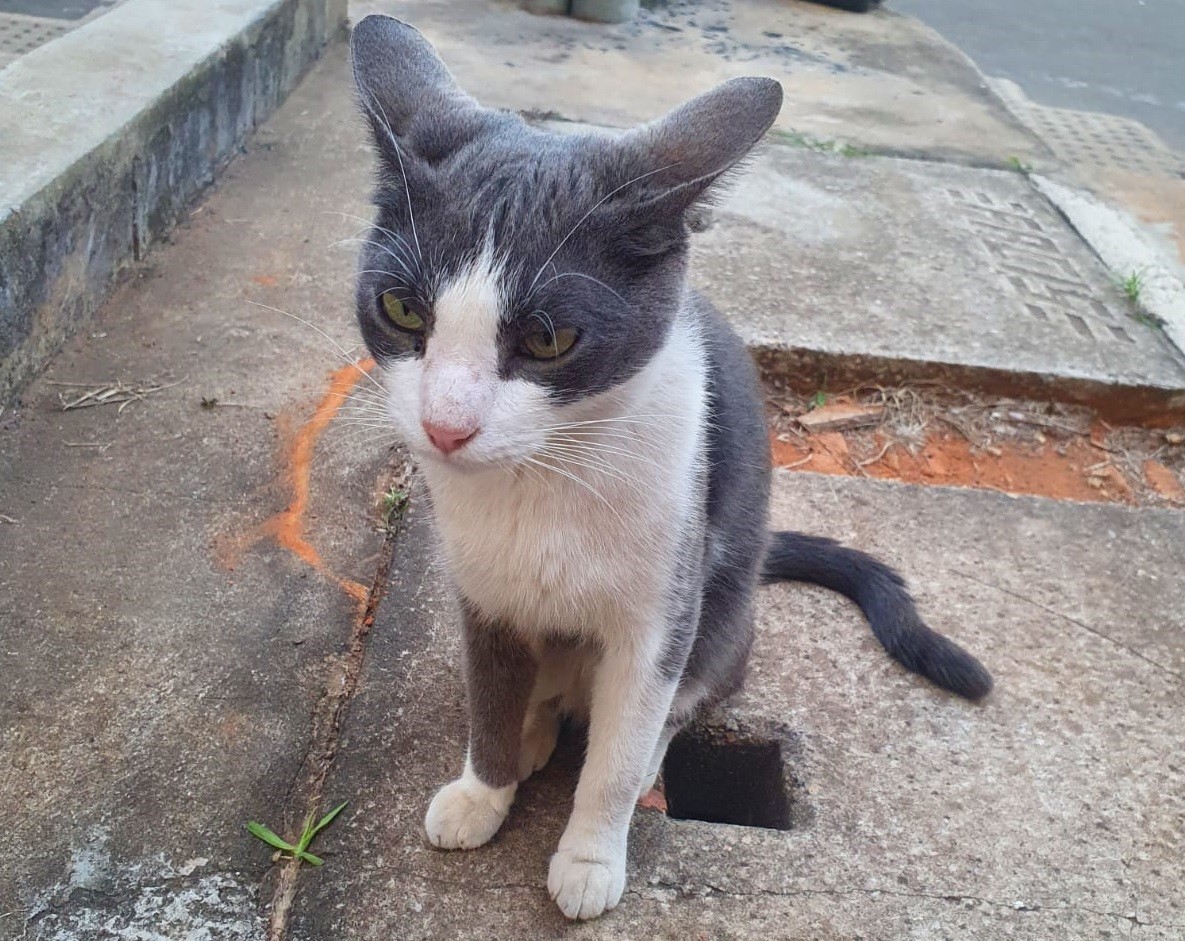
x=882, y=596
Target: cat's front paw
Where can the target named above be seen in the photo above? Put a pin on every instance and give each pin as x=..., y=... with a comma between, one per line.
x=586, y=886
x=465, y=814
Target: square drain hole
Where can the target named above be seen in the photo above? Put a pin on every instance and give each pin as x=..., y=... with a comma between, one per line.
x=734, y=776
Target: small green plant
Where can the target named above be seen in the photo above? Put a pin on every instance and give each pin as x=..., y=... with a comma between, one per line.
x=819, y=399
x=795, y=139
x=393, y=503
x=301, y=849
x=1015, y=163
x=851, y=150
x=1132, y=286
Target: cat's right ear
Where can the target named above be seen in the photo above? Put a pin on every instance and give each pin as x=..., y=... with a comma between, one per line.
x=414, y=106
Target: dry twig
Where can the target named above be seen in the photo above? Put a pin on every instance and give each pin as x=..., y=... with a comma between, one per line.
x=118, y=393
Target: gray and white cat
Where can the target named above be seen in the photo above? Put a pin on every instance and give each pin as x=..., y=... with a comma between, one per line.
x=591, y=435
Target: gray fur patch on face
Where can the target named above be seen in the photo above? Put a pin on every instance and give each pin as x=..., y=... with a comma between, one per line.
x=587, y=231
x=569, y=258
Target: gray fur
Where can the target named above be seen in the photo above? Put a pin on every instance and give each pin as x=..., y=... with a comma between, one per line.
x=595, y=222
x=499, y=672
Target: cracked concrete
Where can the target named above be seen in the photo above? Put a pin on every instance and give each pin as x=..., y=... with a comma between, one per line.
x=165, y=642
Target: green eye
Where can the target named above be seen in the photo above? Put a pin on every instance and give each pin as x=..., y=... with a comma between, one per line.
x=400, y=314
x=542, y=344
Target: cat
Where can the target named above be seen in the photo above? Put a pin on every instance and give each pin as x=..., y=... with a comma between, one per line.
x=592, y=438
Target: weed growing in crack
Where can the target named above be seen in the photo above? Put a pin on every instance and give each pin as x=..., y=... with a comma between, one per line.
x=1133, y=286
x=392, y=505
x=1018, y=165
x=301, y=849
x=839, y=148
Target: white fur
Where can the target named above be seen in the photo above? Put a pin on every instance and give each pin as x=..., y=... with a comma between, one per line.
x=587, y=547
x=591, y=555
x=456, y=384
x=466, y=813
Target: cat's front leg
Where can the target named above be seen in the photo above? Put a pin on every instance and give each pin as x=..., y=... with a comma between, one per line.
x=631, y=698
x=499, y=674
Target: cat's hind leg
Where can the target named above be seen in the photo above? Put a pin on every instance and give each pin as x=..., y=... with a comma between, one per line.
x=541, y=731
x=499, y=675
x=560, y=690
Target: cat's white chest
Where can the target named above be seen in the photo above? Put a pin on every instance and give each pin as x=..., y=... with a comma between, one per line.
x=588, y=545
x=551, y=555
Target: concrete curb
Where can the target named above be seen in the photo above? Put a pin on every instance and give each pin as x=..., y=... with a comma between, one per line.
x=1125, y=250
x=97, y=163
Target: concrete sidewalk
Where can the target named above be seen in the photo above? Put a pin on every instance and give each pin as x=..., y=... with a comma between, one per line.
x=1053, y=811
x=192, y=586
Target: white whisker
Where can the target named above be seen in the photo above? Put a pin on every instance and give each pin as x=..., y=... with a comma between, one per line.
x=337, y=346
x=590, y=449
x=586, y=277
x=574, y=458
x=386, y=125
x=572, y=477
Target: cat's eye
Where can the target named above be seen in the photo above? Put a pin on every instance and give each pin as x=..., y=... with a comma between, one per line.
x=544, y=344
x=400, y=314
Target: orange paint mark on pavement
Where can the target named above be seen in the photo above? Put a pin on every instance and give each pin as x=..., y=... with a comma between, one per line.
x=288, y=527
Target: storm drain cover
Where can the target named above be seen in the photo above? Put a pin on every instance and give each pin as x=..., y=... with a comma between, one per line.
x=1093, y=139
x=22, y=34
x=54, y=9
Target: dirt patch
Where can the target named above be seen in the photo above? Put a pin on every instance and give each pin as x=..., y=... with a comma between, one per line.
x=932, y=435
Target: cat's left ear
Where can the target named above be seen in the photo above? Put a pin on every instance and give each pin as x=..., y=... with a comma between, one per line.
x=413, y=104
x=695, y=145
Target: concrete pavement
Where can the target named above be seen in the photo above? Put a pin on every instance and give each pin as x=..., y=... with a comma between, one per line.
x=109, y=133
x=1052, y=811
x=196, y=631
x=881, y=82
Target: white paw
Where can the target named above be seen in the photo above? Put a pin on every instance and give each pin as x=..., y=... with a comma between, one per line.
x=585, y=887
x=539, y=738
x=465, y=814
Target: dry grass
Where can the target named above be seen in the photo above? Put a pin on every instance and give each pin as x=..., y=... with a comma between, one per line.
x=118, y=393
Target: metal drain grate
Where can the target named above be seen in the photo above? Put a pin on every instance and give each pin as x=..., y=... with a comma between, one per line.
x=22, y=34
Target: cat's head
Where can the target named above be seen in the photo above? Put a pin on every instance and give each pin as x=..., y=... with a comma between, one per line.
x=514, y=279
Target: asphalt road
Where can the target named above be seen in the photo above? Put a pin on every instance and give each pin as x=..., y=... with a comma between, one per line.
x=1123, y=57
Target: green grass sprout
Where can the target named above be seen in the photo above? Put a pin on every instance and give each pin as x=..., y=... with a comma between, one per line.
x=393, y=503
x=1133, y=286
x=301, y=849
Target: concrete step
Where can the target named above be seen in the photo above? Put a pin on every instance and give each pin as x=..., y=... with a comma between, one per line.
x=186, y=585
x=111, y=129
x=880, y=82
x=179, y=577
x=842, y=270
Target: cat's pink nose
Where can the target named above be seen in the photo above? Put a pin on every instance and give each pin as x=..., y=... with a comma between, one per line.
x=448, y=439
